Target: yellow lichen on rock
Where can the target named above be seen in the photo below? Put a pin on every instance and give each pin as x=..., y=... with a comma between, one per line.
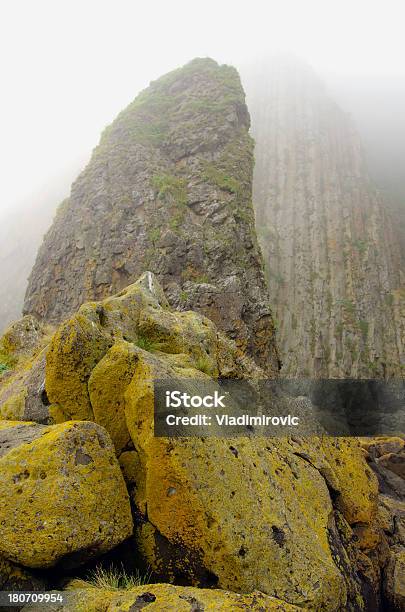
x=75, y=349
x=169, y=598
x=107, y=384
x=63, y=498
x=243, y=513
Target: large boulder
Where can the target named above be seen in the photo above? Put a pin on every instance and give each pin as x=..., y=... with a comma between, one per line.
x=63, y=498
x=250, y=513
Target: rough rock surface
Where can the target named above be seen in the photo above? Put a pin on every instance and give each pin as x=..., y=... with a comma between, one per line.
x=63, y=498
x=385, y=455
x=16, y=578
x=333, y=261
x=166, y=598
x=293, y=518
x=168, y=189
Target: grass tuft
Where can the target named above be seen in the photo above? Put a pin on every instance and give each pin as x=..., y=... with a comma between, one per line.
x=147, y=344
x=115, y=579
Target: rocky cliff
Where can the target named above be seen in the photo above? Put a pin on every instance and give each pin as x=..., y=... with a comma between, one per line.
x=332, y=256
x=168, y=189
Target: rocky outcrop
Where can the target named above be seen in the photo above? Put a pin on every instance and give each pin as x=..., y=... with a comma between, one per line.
x=333, y=261
x=292, y=518
x=168, y=189
x=63, y=498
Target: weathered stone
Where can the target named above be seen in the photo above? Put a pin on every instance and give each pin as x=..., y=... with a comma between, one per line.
x=63, y=498
x=22, y=336
x=15, y=578
x=395, y=581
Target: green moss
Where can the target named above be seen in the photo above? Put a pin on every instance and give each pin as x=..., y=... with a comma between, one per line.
x=363, y=325
x=170, y=188
x=154, y=234
x=348, y=306
x=360, y=245
x=147, y=344
x=221, y=179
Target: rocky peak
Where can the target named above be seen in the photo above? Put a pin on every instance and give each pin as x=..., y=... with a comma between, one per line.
x=168, y=189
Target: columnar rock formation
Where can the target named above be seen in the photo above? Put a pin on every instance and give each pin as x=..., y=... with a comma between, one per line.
x=332, y=258
x=168, y=189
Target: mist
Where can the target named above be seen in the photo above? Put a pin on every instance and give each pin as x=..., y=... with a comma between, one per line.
x=70, y=67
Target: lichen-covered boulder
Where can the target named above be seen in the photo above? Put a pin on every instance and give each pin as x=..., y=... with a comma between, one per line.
x=92, y=356
x=62, y=495
x=22, y=371
x=22, y=336
x=249, y=513
x=167, y=598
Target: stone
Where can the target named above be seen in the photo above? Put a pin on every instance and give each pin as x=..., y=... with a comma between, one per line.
x=64, y=500
x=395, y=581
x=16, y=578
x=166, y=598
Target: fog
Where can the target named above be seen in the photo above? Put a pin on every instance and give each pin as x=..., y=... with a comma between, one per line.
x=70, y=66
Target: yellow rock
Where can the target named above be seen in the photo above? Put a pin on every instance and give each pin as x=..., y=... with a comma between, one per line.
x=107, y=384
x=63, y=498
x=241, y=514
x=169, y=598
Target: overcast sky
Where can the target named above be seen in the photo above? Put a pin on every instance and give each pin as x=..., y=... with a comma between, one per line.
x=69, y=66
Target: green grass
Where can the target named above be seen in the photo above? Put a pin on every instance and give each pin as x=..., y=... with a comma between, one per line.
x=147, y=344
x=363, y=324
x=204, y=365
x=4, y=367
x=170, y=188
x=115, y=579
x=6, y=363
x=221, y=179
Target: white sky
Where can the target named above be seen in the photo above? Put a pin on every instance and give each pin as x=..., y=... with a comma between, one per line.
x=69, y=66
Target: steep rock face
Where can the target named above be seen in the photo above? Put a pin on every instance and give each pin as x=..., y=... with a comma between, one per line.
x=332, y=258
x=293, y=518
x=168, y=189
